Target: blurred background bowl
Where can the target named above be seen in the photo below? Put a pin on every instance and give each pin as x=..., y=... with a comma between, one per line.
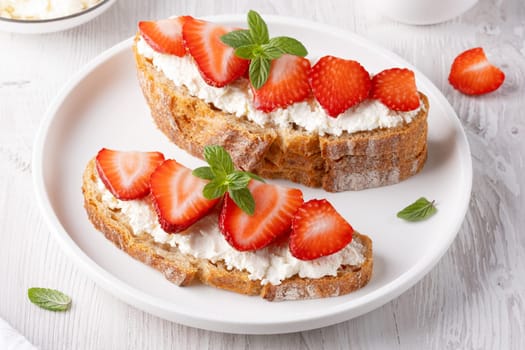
x=39, y=26
x=422, y=12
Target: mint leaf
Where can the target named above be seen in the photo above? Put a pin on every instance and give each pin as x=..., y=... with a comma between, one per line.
x=244, y=200
x=258, y=28
x=254, y=176
x=271, y=52
x=214, y=189
x=49, y=299
x=247, y=52
x=237, y=180
x=219, y=160
x=289, y=45
x=420, y=210
x=237, y=38
x=255, y=44
x=204, y=172
x=259, y=71
x=224, y=178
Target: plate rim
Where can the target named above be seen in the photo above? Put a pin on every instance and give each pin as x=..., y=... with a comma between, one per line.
x=146, y=302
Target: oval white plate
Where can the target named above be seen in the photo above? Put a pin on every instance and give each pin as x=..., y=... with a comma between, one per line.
x=103, y=107
x=54, y=24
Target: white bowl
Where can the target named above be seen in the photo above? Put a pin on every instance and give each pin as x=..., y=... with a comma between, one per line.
x=422, y=12
x=54, y=24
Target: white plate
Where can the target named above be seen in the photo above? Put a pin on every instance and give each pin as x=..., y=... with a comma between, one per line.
x=104, y=107
x=54, y=24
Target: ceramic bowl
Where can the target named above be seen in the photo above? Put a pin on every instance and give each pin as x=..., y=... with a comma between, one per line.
x=54, y=24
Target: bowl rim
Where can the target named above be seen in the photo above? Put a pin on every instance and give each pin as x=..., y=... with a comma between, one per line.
x=56, y=19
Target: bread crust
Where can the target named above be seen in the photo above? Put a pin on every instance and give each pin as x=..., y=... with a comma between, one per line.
x=370, y=158
x=183, y=269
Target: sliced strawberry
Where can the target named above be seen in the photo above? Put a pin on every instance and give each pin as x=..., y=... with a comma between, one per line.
x=274, y=209
x=287, y=83
x=396, y=89
x=472, y=74
x=126, y=173
x=339, y=84
x=318, y=230
x=216, y=61
x=178, y=196
x=165, y=35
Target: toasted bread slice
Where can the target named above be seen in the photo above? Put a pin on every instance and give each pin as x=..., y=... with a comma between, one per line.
x=183, y=269
x=369, y=158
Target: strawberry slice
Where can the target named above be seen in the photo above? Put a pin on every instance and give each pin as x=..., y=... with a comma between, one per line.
x=274, y=209
x=396, y=89
x=287, y=83
x=126, y=173
x=216, y=61
x=165, y=35
x=178, y=198
x=318, y=230
x=472, y=74
x=339, y=84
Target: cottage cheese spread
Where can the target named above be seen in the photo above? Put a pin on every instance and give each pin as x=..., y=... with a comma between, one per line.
x=42, y=9
x=236, y=98
x=271, y=264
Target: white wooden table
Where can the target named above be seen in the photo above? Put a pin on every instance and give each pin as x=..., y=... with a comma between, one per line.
x=473, y=299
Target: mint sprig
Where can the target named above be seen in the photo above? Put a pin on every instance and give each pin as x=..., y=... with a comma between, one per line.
x=224, y=178
x=49, y=299
x=420, y=210
x=255, y=44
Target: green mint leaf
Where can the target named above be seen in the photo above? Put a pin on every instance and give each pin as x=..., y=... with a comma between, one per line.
x=417, y=211
x=289, y=45
x=258, y=28
x=244, y=200
x=254, y=176
x=219, y=160
x=237, y=38
x=259, y=71
x=237, y=180
x=204, y=172
x=271, y=52
x=214, y=189
x=247, y=52
x=49, y=299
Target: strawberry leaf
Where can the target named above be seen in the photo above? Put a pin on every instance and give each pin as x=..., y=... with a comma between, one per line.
x=244, y=200
x=418, y=211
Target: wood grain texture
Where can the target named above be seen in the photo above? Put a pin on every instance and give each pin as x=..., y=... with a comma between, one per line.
x=473, y=299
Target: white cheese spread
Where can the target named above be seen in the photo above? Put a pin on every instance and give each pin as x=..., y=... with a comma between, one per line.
x=203, y=240
x=42, y=9
x=236, y=98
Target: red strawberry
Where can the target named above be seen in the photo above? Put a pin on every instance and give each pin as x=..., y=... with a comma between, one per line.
x=126, y=173
x=178, y=196
x=274, y=209
x=216, y=61
x=318, y=230
x=339, y=84
x=396, y=89
x=165, y=35
x=472, y=74
x=287, y=83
